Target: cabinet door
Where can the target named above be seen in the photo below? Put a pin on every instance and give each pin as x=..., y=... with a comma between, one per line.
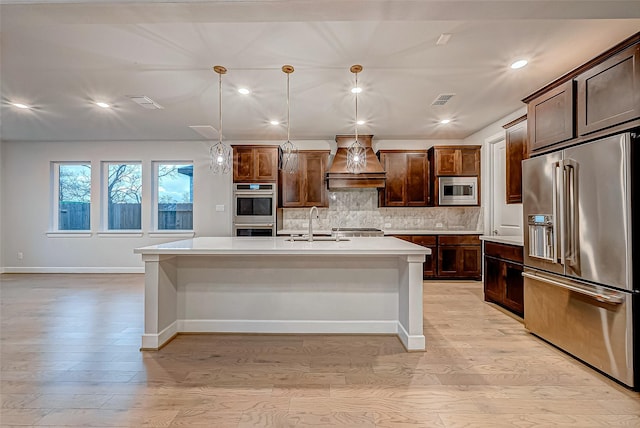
x=551, y=117
x=314, y=189
x=242, y=164
x=493, y=280
x=469, y=261
x=609, y=93
x=516, y=145
x=448, y=261
x=395, y=165
x=290, y=189
x=265, y=164
x=447, y=161
x=417, y=180
x=514, y=288
x=469, y=162
x=429, y=266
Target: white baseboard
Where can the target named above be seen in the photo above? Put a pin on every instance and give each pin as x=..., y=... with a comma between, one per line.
x=19, y=269
x=411, y=342
x=288, y=326
x=155, y=341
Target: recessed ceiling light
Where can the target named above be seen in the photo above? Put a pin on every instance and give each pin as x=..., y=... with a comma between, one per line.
x=274, y=122
x=445, y=121
x=102, y=104
x=20, y=105
x=361, y=122
x=244, y=91
x=356, y=90
x=519, y=64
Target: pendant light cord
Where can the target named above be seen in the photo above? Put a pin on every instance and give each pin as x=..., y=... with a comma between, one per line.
x=357, y=90
x=288, y=115
x=220, y=106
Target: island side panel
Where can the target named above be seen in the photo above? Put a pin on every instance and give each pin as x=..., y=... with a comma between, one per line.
x=410, y=325
x=288, y=294
x=160, y=300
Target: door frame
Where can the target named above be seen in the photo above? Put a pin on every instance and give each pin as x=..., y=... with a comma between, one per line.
x=488, y=183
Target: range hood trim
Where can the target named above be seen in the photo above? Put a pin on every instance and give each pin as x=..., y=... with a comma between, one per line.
x=338, y=177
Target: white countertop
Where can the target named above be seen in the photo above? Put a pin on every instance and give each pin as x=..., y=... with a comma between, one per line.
x=289, y=232
x=381, y=246
x=511, y=240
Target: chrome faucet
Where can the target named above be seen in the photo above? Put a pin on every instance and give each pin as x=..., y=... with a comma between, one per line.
x=311, y=222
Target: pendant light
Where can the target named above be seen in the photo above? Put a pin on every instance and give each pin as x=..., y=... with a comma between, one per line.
x=356, y=154
x=288, y=150
x=220, y=153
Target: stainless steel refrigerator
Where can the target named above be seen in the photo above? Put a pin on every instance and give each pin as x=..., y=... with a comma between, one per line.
x=579, y=291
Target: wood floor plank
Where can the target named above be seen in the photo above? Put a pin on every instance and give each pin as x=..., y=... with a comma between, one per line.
x=69, y=357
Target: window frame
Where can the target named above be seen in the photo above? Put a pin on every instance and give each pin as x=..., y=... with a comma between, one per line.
x=55, y=199
x=155, y=200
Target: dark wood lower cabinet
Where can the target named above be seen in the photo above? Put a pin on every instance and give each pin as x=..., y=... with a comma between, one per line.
x=503, y=282
x=452, y=256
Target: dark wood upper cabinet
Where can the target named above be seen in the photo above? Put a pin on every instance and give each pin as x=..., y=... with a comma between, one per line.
x=609, y=93
x=456, y=160
x=516, y=151
x=551, y=117
x=407, y=178
x=306, y=187
x=599, y=98
x=255, y=164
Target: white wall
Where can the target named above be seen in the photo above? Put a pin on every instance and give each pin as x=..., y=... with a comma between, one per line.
x=1, y=222
x=27, y=202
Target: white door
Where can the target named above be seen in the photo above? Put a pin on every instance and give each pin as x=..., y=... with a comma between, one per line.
x=506, y=218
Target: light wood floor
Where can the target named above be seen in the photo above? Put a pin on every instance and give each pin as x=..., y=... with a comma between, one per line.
x=69, y=357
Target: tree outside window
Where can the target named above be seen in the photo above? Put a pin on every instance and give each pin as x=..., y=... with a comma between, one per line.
x=124, y=196
x=74, y=196
x=174, y=202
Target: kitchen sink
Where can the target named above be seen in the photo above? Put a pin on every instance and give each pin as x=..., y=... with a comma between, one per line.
x=317, y=238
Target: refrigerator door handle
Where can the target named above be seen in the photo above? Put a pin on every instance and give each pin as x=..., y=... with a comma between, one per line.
x=614, y=298
x=558, y=213
x=571, y=168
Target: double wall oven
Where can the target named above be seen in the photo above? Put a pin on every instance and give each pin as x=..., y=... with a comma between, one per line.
x=254, y=209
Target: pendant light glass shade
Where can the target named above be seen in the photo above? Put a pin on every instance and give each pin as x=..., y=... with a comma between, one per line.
x=356, y=153
x=288, y=150
x=220, y=154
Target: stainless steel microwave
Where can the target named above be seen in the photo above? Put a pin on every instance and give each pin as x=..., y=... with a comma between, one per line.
x=458, y=191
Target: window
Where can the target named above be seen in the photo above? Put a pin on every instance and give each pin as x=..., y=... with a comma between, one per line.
x=173, y=202
x=123, y=196
x=72, y=196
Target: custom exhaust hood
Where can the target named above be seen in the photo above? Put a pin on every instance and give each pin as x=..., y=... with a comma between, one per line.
x=339, y=177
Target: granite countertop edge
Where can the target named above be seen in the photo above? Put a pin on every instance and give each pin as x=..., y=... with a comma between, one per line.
x=389, y=232
x=511, y=240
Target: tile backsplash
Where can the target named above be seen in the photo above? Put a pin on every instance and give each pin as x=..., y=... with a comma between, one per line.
x=359, y=208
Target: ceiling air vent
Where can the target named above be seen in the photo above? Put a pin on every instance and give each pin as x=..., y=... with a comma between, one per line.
x=207, y=131
x=145, y=102
x=442, y=99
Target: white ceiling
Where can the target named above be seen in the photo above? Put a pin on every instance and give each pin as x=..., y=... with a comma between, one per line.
x=61, y=56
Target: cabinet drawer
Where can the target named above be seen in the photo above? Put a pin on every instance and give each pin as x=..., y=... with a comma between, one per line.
x=424, y=240
x=459, y=239
x=504, y=251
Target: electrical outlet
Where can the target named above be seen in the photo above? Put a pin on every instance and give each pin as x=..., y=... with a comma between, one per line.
x=438, y=225
x=20, y=255
x=219, y=208
x=387, y=225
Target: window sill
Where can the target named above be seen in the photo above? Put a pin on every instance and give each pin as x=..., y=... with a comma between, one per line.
x=120, y=234
x=169, y=234
x=69, y=234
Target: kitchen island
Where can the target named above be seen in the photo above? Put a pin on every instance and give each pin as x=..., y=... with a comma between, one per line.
x=275, y=285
